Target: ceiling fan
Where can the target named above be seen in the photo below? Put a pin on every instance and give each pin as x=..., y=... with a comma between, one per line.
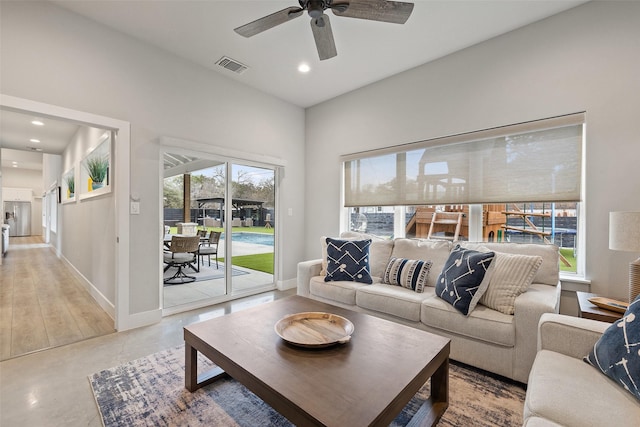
x=376, y=10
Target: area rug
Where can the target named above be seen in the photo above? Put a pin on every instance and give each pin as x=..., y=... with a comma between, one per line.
x=150, y=392
x=205, y=273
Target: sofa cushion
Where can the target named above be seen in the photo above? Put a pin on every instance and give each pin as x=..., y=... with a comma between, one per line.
x=549, y=271
x=379, y=251
x=435, y=251
x=483, y=324
x=408, y=273
x=379, y=254
x=343, y=292
x=393, y=300
x=617, y=352
x=348, y=260
x=539, y=422
x=569, y=392
x=512, y=274
x=462, y=280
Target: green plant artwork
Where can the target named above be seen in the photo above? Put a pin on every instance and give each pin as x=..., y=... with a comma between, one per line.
x=71, y=184
x=97, y=168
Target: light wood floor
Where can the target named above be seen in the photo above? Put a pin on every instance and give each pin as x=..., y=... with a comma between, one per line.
x=42, y=302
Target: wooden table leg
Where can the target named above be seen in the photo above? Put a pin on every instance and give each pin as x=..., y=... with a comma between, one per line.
x=190, y=368
x=192, y=381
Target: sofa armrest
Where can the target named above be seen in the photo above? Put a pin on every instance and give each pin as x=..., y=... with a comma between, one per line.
x=306, y=270
x=571, y=336
x=529, y=306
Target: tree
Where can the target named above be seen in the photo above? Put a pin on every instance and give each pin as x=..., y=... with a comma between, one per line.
x=172, y=192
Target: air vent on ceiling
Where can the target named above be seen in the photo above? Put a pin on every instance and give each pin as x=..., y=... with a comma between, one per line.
x=232, y=65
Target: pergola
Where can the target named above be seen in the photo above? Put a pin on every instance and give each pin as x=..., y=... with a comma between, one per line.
x=237, y=204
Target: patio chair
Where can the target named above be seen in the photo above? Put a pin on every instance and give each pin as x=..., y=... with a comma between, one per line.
x=181, y=254
x=209, y=247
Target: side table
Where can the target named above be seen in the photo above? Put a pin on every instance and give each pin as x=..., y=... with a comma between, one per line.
x=590, y=311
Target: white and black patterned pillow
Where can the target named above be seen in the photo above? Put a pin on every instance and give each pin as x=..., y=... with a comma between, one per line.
x=461, y=281
x=408, y=273
x=617, y=352
x=348, y=260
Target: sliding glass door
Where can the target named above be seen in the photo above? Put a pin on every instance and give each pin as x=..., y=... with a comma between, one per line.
x=231, y=207
x=252, y=227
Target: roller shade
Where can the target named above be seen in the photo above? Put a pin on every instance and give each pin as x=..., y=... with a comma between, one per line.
x=537, y=161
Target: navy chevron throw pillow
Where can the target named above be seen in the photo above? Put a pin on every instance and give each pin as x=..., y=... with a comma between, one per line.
x=348, y=260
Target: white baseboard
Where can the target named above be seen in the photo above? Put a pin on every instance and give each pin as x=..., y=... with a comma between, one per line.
x=284, y=285
x=102, y=301
x=138, y=320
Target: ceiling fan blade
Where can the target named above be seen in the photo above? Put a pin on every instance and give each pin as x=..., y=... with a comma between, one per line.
x=321, y=28
x=396, y=12
x=269, y=21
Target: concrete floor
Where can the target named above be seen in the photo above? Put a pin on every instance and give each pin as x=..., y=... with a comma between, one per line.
x=51, y=387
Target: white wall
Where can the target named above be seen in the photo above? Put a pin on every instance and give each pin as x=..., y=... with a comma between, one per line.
x=31, y=179
x=54, y=56
x=88, y=225
x=585, y=59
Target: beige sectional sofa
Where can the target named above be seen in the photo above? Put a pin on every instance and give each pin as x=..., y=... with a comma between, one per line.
x=488, y=339
x=563, y=390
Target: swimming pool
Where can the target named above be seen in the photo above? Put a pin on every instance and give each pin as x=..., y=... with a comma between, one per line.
x=255, y=238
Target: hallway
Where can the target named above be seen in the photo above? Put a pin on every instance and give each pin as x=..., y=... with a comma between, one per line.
x=43, y=304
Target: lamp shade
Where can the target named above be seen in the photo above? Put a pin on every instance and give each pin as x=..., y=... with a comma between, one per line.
x=624, y=231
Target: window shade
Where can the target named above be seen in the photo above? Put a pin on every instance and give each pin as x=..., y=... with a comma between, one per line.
x=537, y=161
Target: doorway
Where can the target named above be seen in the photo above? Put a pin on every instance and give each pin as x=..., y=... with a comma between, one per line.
x=235, y=200
x=118, y=308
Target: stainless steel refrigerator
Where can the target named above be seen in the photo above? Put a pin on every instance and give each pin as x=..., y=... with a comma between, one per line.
x=17, y=215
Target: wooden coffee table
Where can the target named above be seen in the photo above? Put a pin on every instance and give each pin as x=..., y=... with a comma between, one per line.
x=367, y=381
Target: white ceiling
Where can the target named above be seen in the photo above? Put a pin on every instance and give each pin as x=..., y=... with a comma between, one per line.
x=368, y=51
x=16, y=132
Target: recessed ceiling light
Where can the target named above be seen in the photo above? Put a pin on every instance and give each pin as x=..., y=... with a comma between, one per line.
x=37, y=141
x=15, y=165
x=14, y=162
x=37, y=123
x=304, y=68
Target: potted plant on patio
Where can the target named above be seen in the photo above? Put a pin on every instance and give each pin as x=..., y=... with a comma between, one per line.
x=97, y=167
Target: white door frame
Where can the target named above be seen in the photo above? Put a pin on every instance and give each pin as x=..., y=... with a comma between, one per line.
x=123, y=320
x=229, y=156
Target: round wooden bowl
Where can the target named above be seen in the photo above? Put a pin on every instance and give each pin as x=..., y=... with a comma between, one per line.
x=314, y=329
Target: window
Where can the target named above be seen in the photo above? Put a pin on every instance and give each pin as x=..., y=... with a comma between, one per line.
x=485, y=176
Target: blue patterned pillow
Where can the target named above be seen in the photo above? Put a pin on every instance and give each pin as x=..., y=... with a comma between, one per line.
x=461, y=281
x=408, y=273
x=617, y=352
x=348, y=260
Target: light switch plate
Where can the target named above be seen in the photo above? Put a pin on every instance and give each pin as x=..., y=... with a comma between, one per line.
x=135, y=208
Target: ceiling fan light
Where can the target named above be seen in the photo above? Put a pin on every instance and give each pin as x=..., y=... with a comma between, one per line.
x=315, y=8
